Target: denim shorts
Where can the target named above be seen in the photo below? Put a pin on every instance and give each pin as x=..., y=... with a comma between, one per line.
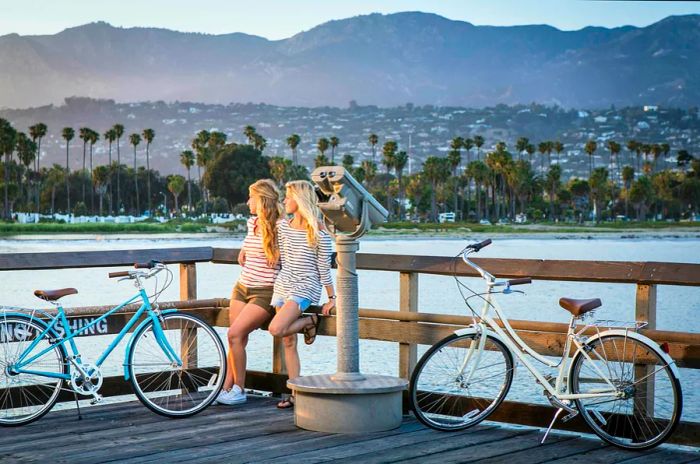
x=278, y=301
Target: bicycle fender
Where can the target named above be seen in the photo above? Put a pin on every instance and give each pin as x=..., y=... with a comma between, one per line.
x=637, y=336
x=471, y=329
x=43, y=323
x=131, y=340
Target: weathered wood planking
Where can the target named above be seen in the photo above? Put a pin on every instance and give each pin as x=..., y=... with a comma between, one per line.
x=106, y=258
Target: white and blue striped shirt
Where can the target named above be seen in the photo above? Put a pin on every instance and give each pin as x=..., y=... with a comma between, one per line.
x=305, y=269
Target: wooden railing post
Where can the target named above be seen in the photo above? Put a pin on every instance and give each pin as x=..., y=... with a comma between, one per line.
x=645, y=310
x=188, y=336
x=408, y=301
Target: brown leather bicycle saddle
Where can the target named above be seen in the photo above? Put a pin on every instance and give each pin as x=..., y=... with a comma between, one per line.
x=579, y=307
x=53, y=295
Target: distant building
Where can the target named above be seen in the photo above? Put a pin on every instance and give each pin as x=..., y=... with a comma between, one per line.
x=651, y=108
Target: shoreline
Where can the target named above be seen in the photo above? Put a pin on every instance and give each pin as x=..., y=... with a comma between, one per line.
x=381, y=235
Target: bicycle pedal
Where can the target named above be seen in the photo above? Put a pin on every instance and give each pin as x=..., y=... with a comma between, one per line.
x=97, y=399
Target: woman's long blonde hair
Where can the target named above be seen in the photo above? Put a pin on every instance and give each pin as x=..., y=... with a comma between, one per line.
x=303, y=192
x=266, y=196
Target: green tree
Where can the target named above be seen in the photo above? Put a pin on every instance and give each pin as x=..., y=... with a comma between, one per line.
x=478, y=143
x=118, y=132
x=176, y=184
x=250, y=133
x=373, y=141
x=68, y=133
x=553, y=184
x=479, y=172
x=627, y=178
x=348, y=162
x=110, y=136
x=233, y=169
x=293, y=142
x=84, y=135
x=321, y=160
x=641, y=194
x=37, y=132
x=187, y=160
x=100, y=178
x=599, y=190
x=134, y=140
x=94, y=137
x=322, y=146
x=400, y=161
x=26, y=152
x=279, y=169
x=334, y=142
x=590, y=149
x=436, y=171
x=558, y=148
x=148, y=136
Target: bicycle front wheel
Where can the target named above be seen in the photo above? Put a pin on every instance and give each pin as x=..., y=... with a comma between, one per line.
x=161, y=384
x=645, y=401
x=456, y=385
x=26, y=397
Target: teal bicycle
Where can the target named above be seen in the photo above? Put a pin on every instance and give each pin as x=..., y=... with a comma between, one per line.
x=163, y=357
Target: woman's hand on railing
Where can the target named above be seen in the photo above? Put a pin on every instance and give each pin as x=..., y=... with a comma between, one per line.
x=328, y=307
x=241, y=257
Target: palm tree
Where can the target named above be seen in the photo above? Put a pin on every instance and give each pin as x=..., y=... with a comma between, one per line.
x=85, y=137
x=37, y=133
x=94, y=137
x=321, y=160
x=100, y=179
x=436, y=171
x=200, y=145
x=558, y=147
x=249, y=132
x=590, y=149
x=388, y=154
x=293, y=142
x=176, y=184
x=553, y=183
x=369, y=167
x=656, y=151
x=118, y=132
x=334, y=141
x=521, y=145
x=148, y=136
x=599, y=189
x=348, y=162
x=54, y=178
x=135, y=139
x=26, y=152
x=614, y=149
x=110, y=136
x=259, y=142
x=322, y=145
x=627, y=179
x=634, y=147
x=400, y=161
x=279, y=169
x=478, y=143
x=542, y=148
x=68, y=133
x=187, y=160
x=454, y=158
x=530, y=149
x=373, y=140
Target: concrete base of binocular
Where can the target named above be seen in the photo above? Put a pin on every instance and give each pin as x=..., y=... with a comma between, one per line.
x=347, y=401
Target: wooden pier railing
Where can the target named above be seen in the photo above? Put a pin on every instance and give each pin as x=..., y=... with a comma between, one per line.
x=407, y=326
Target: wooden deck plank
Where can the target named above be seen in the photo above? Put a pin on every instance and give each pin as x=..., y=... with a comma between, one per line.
x=258, y=432
x=371, y=445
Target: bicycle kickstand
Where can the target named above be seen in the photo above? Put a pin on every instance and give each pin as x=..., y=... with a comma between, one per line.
x=556, y=416
x=77, y=404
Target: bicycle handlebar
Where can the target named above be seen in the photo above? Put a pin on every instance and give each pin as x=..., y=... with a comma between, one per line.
x=521, y=281
x=478, y=246
x=113, y=275
x=149, y=265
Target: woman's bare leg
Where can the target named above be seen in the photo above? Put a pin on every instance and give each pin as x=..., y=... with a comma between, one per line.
x=250, y=318
x=234, y=309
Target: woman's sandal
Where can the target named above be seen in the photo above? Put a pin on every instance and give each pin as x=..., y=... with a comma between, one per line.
x=286, y=403
x=310, y=332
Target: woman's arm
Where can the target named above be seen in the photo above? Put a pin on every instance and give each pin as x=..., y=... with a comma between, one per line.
x=323, y=262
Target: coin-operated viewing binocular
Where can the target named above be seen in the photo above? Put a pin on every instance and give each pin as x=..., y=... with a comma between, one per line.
x=345, y=203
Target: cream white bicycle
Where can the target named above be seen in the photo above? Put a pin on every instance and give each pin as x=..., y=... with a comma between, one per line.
x=625, y=386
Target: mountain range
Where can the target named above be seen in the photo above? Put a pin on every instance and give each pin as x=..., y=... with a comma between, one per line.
x=374, y=59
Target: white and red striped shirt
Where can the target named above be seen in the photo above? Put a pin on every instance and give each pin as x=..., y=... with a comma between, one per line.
x=256, y=270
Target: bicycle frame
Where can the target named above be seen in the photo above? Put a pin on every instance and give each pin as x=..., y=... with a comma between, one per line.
x=560, y=390
x=69, y=336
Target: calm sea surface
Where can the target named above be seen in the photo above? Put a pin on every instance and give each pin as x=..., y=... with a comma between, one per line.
x=678, y=307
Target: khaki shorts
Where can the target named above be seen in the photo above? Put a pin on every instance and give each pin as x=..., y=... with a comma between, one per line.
x=261, y=296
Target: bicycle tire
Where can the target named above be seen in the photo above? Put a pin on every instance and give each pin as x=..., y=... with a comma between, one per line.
x=454, y=409
x=34, y=391
x=611, y=419
x=197, y=388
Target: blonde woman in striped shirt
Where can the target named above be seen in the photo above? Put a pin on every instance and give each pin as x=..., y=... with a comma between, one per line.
x=305, y=256
x=250, y=302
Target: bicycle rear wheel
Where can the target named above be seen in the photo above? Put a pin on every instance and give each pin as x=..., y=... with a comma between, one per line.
x=449, y=393
x=647, y=403
x=172, y=390
x=24, y=397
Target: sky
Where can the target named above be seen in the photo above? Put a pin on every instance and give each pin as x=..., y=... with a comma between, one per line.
x=278, y=19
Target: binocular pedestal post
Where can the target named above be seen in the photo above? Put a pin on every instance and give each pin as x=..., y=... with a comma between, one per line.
x=347, y=401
